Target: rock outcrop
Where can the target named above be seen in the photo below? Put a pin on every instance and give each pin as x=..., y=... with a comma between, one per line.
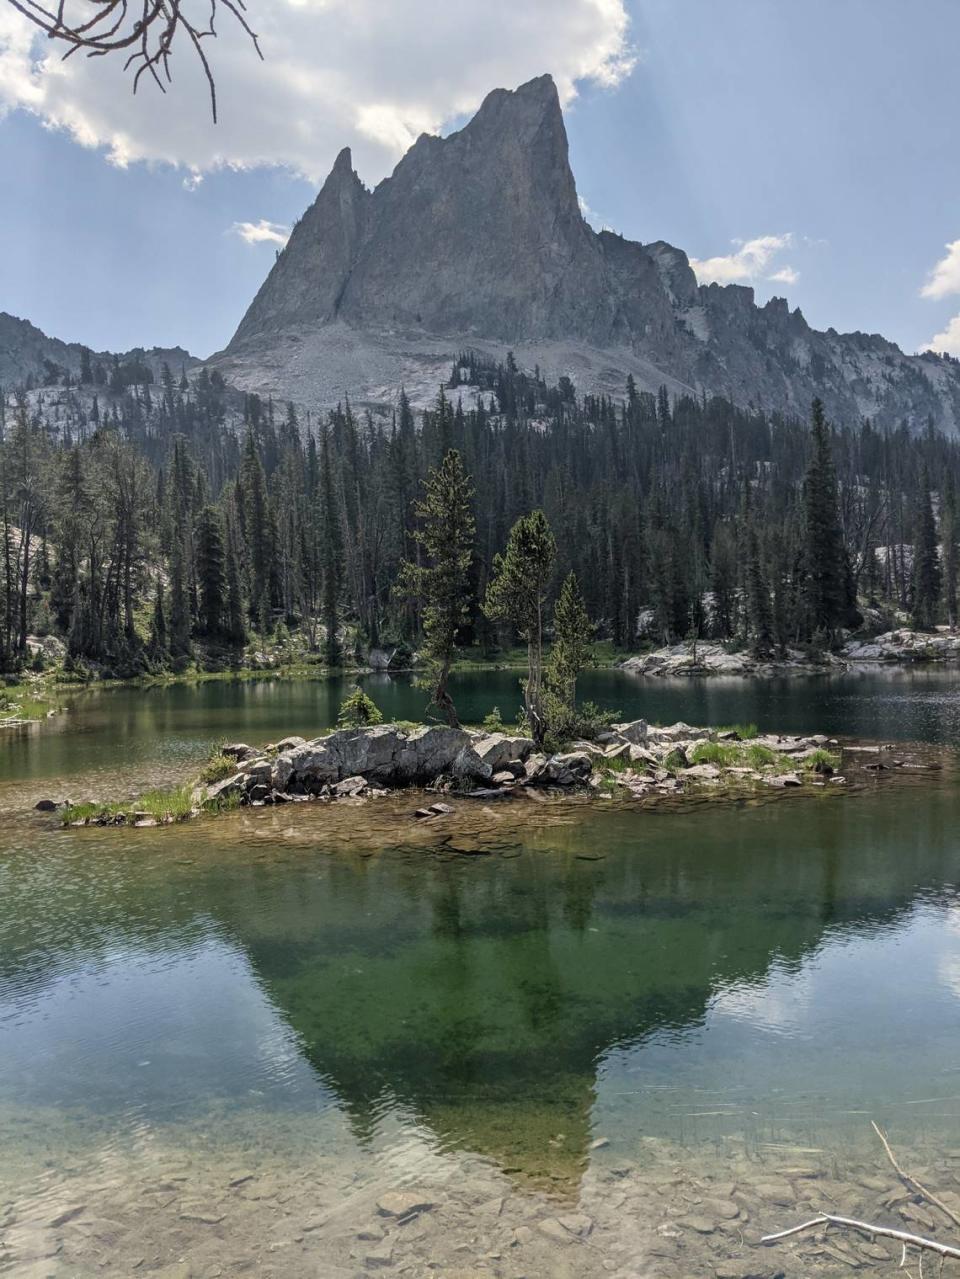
x=477, y=241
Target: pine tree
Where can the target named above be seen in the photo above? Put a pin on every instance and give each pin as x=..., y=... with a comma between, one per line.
x=157, y=647
x=758, y=599
x=926, y=563
x=236, y=631
x=570, y=655
x=826, y=561
x=210, y=572
x=441, y=586
x=950, y=539
x=179, y=604
x=517, y=593
x=253, y=488
x=332, y=557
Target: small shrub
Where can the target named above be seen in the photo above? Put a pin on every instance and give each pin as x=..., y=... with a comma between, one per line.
x=675, y=761
x=358, y=711
x=761, y=756
x=492, y=723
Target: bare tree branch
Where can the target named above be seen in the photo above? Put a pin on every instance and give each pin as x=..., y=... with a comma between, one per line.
x=145, y=30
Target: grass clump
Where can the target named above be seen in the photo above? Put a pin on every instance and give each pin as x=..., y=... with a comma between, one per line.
x=174, y=805
x=217, y=768
x=723, y=754
x=822, y=761
x=744, y=731
x=759, y=756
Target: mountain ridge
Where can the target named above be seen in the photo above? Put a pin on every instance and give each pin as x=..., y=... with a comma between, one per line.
x=476, y=241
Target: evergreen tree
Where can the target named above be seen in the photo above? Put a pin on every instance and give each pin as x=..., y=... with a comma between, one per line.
x=158, y=647
x=950, y=539
x=926, y=563
x=572, y=635
x=826, y=562
x=211, y=575
x=517, y=593
x=332, y=557
x=253, y=490
x=441, y=586
x=358, y=711
x=179, y=604
x=236, y=631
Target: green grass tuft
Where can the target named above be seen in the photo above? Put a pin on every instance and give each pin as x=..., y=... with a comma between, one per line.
x=217, y=768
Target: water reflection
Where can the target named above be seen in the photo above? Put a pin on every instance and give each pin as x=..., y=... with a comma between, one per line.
x=511, y=1005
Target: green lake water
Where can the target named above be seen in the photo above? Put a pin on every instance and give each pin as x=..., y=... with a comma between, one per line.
x=332, y=982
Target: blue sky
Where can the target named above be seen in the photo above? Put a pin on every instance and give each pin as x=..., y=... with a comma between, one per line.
x=822, y=136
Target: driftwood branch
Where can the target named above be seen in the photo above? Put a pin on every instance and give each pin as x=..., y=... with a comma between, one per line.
x=867, y=1228
x=906, y=1238
x=911, y=1181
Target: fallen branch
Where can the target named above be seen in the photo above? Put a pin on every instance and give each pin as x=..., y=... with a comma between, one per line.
x=865, y=1227
x=912, y=1181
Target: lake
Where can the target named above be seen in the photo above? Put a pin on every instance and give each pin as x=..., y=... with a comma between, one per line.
x=621, y=1042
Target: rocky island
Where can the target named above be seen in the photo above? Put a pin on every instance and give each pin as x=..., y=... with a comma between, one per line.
x=629, y=760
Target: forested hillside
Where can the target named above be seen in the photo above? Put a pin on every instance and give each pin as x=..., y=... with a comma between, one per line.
x=148, y=523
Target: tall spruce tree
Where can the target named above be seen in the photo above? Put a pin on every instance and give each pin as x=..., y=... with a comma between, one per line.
x=517, y=593
x=332, y=556
x=211, y=574
x=569, y=657
x=926, y=560
x=826, y=572
x=445, y=532
x=950, y=540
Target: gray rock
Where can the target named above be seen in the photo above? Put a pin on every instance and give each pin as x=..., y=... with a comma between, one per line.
x=291, y=743
x=228, y=786
x=499, y=750
x=572, y=769
x=403, y=1203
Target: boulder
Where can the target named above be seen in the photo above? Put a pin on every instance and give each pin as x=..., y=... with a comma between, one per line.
x=503, y=778
x=572, y=769
x=220, y=790
x=350, y=786
x=291, y=743
x=499, y=750
x=635, y=732
x=384, y=754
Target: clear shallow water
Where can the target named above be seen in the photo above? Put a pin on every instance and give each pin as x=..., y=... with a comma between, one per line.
x=731, y=984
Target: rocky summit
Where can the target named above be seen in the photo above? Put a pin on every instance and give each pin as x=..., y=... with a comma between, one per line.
x=476, y=241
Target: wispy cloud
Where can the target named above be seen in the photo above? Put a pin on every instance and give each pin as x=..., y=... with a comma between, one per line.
x=944, y=279
x=750, y=261
x=262, y=232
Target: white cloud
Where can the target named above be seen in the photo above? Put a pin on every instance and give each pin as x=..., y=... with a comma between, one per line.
x=748, y=263
x=948, y=340
x=262, y=232
x=372, y=74
x=944, y=279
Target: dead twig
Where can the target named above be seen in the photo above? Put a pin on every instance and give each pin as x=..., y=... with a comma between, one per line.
x=911, y=1181
x=867, y=1228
